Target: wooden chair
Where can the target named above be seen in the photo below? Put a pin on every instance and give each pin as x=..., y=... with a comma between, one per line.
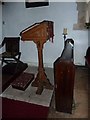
x=12, y=53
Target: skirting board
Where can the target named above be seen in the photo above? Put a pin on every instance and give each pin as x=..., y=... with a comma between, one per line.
x=36, y=64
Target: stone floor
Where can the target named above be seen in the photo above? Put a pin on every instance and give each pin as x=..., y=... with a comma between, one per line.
x=81, y=92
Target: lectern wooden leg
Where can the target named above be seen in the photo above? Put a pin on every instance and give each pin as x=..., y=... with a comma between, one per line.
x=41, y=80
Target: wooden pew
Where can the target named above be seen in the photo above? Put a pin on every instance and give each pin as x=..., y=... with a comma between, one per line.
x=64, y=72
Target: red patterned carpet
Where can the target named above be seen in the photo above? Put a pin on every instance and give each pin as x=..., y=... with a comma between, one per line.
x=18, y=110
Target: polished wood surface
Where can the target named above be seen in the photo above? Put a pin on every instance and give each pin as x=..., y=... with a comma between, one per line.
x=64, y=72
x=39, y=33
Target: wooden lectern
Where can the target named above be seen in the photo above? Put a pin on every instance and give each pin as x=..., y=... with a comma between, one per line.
x=39, y=33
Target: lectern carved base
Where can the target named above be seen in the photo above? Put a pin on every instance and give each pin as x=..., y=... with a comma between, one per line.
x=41, y=81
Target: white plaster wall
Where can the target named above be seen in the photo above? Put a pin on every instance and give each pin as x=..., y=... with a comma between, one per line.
x=0, y=21
x=0, y=66
x=0, y=24
x=16, y=18
x=89, y=37
x=89, y=21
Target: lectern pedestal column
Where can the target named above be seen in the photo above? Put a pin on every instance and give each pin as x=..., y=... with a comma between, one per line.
x=41, y=80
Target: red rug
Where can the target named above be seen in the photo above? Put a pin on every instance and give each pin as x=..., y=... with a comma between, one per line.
x=18, y=110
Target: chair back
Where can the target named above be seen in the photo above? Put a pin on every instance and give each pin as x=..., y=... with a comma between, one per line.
x=12, y=44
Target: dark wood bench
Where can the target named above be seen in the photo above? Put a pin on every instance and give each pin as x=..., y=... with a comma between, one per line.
x=64, y=72
x=87, y=64
x=87, y=57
